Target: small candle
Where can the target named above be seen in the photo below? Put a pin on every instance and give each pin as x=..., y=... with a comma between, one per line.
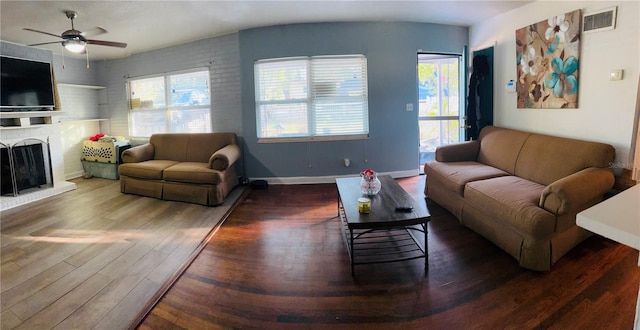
x=364, y=205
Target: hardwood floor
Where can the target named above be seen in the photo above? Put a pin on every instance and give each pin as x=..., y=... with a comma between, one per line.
x=279, y=261
x=93, y=257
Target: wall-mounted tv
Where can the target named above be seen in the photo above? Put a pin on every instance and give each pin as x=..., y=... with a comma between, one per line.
x=25, y=85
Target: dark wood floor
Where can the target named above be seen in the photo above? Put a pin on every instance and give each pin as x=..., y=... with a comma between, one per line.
x=279, y=261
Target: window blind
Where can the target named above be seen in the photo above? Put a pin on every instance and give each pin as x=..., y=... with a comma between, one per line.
x=177, y=102
x=323, y=96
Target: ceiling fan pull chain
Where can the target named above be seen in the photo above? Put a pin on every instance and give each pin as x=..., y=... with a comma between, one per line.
x=62, y=56
x=86, y=51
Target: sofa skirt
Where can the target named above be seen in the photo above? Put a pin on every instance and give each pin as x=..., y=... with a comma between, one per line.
x=203, y=194
x=192, y=193
x=149, y=188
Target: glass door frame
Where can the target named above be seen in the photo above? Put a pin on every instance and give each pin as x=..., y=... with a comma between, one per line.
x=462, y=82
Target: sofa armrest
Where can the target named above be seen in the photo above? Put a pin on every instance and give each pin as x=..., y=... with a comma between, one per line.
x=225, y=157
x=138, y=154
x=458, y=152
x=573, y=192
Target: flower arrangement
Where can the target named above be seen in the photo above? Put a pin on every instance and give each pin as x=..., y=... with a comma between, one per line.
x=369, y=184
x=368, y=175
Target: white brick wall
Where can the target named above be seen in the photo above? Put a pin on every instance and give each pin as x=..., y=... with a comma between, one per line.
x=220, y=54
x=79, y=102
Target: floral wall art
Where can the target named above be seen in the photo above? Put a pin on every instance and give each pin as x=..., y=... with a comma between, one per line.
x=548, y=61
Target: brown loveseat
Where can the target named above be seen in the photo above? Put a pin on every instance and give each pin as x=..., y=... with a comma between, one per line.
x=196, y=168
x=521, y=190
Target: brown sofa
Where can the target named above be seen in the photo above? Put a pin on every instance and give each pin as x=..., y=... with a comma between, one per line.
x=196, y=168
x=522, y=190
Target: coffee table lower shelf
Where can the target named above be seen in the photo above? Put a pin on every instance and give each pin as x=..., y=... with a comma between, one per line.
x=382, y=245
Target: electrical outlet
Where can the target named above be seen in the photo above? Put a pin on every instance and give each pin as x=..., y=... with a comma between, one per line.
x=409, y=106
x=347, y=162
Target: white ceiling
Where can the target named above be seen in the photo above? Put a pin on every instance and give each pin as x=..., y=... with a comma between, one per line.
x=148, y=25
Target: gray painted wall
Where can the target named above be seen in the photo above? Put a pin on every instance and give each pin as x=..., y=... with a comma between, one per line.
x=391, y=50
x=15, y=50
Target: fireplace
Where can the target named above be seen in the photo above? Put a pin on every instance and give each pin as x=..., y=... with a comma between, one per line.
x=26, y=166
x=16, y=149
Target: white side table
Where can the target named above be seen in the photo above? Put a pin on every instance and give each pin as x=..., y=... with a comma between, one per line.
x=617, y=218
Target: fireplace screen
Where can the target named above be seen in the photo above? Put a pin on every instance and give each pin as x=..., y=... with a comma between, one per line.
x=25, y=165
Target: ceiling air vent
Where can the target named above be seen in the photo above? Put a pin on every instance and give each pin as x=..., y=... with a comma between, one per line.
x=601, y=20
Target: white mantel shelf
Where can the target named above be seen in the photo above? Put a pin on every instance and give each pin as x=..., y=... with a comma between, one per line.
x=23, y=127
x=23, y=119
x=29, y=114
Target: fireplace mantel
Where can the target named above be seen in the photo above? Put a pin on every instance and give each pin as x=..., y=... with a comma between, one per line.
x=20, y=114
x=27, y=119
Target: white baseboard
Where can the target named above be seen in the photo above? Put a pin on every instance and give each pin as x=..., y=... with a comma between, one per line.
x=328, y=179
x=73, y=175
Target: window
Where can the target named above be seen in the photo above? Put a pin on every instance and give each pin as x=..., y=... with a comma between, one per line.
x=171, y=103
x=312, y=98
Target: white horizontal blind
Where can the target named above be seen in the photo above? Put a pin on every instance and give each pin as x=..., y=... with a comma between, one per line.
x=324, y=96
x=178, y=102
x=147, y=93
x=282, y=98
x=339, y=95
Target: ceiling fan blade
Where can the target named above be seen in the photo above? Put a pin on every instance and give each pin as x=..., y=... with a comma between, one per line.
x=46, y=43
x=51, y=34
x=107, y=43
x=93, y=32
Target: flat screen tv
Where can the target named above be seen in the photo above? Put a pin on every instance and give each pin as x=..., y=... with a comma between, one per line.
x=25, y=85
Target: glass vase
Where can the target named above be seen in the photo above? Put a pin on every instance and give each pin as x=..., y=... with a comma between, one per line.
x=370, y=187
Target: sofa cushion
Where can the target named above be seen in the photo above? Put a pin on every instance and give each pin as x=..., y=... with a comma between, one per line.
x=189, y=147
x=500, y=147
x=513, y=200
x=202, y=146
x=151, y=169
x=546, y=159
x=192, y=172
x=455, y=175
x=170, y=146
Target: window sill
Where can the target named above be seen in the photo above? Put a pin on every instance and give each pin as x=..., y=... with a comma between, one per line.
x=314, y=138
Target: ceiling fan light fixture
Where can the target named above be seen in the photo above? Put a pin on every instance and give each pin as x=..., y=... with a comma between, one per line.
x=74, y=45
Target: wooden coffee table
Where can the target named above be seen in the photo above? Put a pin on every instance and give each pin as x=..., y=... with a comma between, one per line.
x=383, y=235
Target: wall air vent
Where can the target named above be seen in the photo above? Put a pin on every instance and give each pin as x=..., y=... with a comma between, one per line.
x=601, y=20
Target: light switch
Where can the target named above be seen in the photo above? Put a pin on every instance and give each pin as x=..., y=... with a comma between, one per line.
x=409, y=106
x=616, y=74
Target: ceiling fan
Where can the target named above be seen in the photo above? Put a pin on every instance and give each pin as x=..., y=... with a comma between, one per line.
x=76, y=41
